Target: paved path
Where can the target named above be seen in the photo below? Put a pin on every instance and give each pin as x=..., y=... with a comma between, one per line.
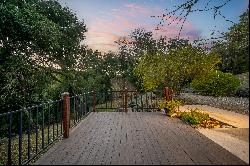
x=235, y=140
x=136, y=138
x=229, y=117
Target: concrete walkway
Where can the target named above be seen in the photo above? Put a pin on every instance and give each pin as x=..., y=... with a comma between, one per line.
x=229, y=117
x=235, y=140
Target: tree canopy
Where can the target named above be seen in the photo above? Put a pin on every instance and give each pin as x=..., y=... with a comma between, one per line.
x=234, y=50
x=38, y=40
x=175, y=69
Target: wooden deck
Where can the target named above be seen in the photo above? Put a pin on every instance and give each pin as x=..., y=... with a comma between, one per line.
x=136, y=138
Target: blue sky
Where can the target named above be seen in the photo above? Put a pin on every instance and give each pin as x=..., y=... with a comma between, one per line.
x=107, y=20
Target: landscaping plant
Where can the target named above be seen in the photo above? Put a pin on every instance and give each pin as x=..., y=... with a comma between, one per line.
x=216, y=83
x=195, y=116
x=171, y=107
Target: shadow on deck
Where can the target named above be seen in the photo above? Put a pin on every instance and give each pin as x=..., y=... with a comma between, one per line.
x=131, y=138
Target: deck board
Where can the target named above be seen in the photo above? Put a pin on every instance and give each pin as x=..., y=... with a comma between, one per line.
x=135, y=138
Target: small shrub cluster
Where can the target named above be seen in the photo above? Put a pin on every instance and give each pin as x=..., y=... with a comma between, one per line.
x=216, y=83
x=195, y=116
x=171, y=106
x=243, y=90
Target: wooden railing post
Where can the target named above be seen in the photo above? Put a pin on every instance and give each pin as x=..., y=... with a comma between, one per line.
x=94, y=100
x=168, y=92
x=126, y=100
x=66, y=114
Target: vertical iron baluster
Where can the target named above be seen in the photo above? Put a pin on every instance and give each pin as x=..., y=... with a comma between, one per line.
x=85, y=98
x=123, y=98
x=74, y=110
x=116, y=100
x=29, y=134
x=61, y=117
x=53, y=113
x=42, y=127
x=83, y=105
x=105, y=98
x=157, y=104
x=136, y=102
x=36, y=129
x=131, y=97
x=48, y=122
x=9, y=139
x=151, y=101
x=111, y=99
x=77, y=108
x=94, y=101
x=141, y=104
x=20, y=139
x=58, y=107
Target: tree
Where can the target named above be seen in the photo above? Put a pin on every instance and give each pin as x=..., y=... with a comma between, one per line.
x=176, y=43
x=132, y=48
x=234, y=50
x=175, y=69
x=38, y=40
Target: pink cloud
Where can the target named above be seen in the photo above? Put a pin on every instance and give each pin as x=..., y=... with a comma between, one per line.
x=121, y=21
x=137, y=8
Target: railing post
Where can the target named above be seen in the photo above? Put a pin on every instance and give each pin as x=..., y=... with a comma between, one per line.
x=94, y=100
x=66, y=114
x=126, y=100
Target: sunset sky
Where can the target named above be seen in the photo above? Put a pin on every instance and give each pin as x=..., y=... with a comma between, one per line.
x=107, y=20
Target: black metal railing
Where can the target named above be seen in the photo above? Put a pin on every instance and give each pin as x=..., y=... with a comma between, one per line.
x=27, y=132
x=117, y=101
x=80, y=106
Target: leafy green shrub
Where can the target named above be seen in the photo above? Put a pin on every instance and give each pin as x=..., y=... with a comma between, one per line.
x=170, y=106
x=216, y=83
x=195, y=116
x=243, y=90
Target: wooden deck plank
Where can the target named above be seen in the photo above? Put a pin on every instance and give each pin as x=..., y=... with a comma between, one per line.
x=133, y=138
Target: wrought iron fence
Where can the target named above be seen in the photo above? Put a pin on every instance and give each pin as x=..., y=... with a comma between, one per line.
x=117, y=101
x=80, y=106
x=25, y=133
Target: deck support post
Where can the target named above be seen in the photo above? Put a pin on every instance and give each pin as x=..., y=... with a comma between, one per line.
x=66, y=114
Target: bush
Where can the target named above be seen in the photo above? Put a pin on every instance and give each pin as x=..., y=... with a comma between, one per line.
x=170, y=106
x=195, y=116
x=216, y=83
x=243, y=90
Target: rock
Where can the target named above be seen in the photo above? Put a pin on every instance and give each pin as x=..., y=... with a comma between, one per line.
x=217, y=126
x=163, y=111
x=174, y=115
